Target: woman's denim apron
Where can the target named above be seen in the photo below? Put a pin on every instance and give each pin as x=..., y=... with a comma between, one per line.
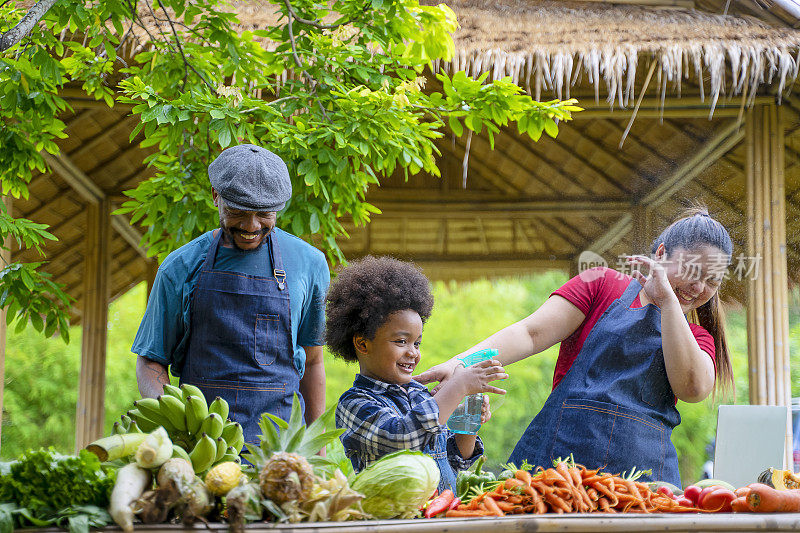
x=240, y=345
x=614, y=409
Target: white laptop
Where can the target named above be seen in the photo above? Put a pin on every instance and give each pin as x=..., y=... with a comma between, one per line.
x=750, y=439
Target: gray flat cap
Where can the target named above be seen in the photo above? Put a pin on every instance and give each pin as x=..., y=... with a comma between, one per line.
x=251, y=178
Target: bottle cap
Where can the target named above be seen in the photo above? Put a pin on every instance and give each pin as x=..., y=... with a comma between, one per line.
x=479, y=356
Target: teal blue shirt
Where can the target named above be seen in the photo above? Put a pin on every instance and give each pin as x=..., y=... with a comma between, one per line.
x=163, y=334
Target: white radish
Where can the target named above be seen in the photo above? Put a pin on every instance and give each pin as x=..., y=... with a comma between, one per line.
x=132, y=480
x=155, y=449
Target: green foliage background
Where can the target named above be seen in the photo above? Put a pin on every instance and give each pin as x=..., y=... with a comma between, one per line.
x=42, y=375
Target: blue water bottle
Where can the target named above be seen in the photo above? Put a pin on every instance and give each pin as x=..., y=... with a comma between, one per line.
x=467, y=416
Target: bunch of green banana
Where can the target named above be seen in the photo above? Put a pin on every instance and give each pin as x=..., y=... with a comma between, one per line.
x=201, y=433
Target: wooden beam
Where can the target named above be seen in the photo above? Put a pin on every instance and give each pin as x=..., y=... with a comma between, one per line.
x=123, y=226
x=655, y=113
x=526, y=145
x=486, y=174
x=718, y=145
x=75, y=177
x=501, y=209
x=587, y=102
x=90, y=415
x=612, y=235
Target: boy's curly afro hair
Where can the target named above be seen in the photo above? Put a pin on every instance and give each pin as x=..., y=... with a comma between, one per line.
x=365, y=293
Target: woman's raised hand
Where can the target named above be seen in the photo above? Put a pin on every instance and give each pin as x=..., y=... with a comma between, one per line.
x=656, y=285
x=440, y=373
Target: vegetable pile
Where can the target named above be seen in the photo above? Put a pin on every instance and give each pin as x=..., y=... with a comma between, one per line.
x=199, y=432
x=44, y=488
x=567, y=488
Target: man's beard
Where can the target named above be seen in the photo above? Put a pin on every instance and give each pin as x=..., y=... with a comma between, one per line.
x=229, y=232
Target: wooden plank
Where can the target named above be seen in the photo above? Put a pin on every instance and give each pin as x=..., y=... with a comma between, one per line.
x=547, y=523
x=90, y=409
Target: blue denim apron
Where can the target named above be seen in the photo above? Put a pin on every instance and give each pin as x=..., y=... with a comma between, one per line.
x=240, y=343
x=614, y=409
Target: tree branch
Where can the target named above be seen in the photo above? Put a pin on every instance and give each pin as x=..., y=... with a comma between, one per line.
x=16, y=34
x=314, y=23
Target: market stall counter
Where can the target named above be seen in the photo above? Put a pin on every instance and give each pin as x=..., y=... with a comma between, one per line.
x=586, y=523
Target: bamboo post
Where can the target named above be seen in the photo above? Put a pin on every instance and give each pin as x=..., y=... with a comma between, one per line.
x=5, y=254
x=767, y=288
x=91, y=396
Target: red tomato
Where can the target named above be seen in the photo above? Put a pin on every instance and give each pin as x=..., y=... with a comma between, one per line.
x=685, y=502
x=718, y=500
x=692, y=492
x=666, y=491
x=705, y=492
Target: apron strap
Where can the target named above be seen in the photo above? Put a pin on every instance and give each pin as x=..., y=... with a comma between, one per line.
x=211, y=256
x=276, y=260
x=630, y=294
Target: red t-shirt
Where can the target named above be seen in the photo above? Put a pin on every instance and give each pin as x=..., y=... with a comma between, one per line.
x=592, y=292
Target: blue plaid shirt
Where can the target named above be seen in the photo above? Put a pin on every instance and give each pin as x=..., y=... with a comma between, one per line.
x=380, y=418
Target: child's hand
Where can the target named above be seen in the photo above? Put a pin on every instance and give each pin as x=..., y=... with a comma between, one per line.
x=476, y=378
x=486, y=413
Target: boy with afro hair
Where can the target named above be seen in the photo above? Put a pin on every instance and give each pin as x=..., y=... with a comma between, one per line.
x=375, y=311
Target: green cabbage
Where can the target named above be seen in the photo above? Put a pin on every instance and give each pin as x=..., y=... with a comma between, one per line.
x=397, y=484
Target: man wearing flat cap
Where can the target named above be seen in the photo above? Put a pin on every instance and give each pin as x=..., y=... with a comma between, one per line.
x=239, y=311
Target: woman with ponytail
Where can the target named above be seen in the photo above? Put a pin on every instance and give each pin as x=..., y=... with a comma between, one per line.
x=628, y=353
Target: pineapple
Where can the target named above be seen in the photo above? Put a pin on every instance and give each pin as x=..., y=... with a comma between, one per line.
x=286, y=477
x=282, y=458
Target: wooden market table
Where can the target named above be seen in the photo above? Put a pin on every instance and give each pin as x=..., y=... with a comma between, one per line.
x=580, y=523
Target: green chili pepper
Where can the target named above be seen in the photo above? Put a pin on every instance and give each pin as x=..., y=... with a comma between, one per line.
x=473, y=477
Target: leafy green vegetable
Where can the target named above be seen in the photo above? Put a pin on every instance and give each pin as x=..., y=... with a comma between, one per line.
x=397, y=484
x=45, y=488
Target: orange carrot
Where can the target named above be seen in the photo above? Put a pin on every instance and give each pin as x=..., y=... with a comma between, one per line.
x=588, y=473
x=764, y=499
x=739, y=505
x=608, y=493
x=492, y=506
x=513, y=483
x=506, y=507
x=523, y=476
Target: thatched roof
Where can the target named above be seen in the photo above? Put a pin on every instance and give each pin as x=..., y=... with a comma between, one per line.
x=550, y=45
